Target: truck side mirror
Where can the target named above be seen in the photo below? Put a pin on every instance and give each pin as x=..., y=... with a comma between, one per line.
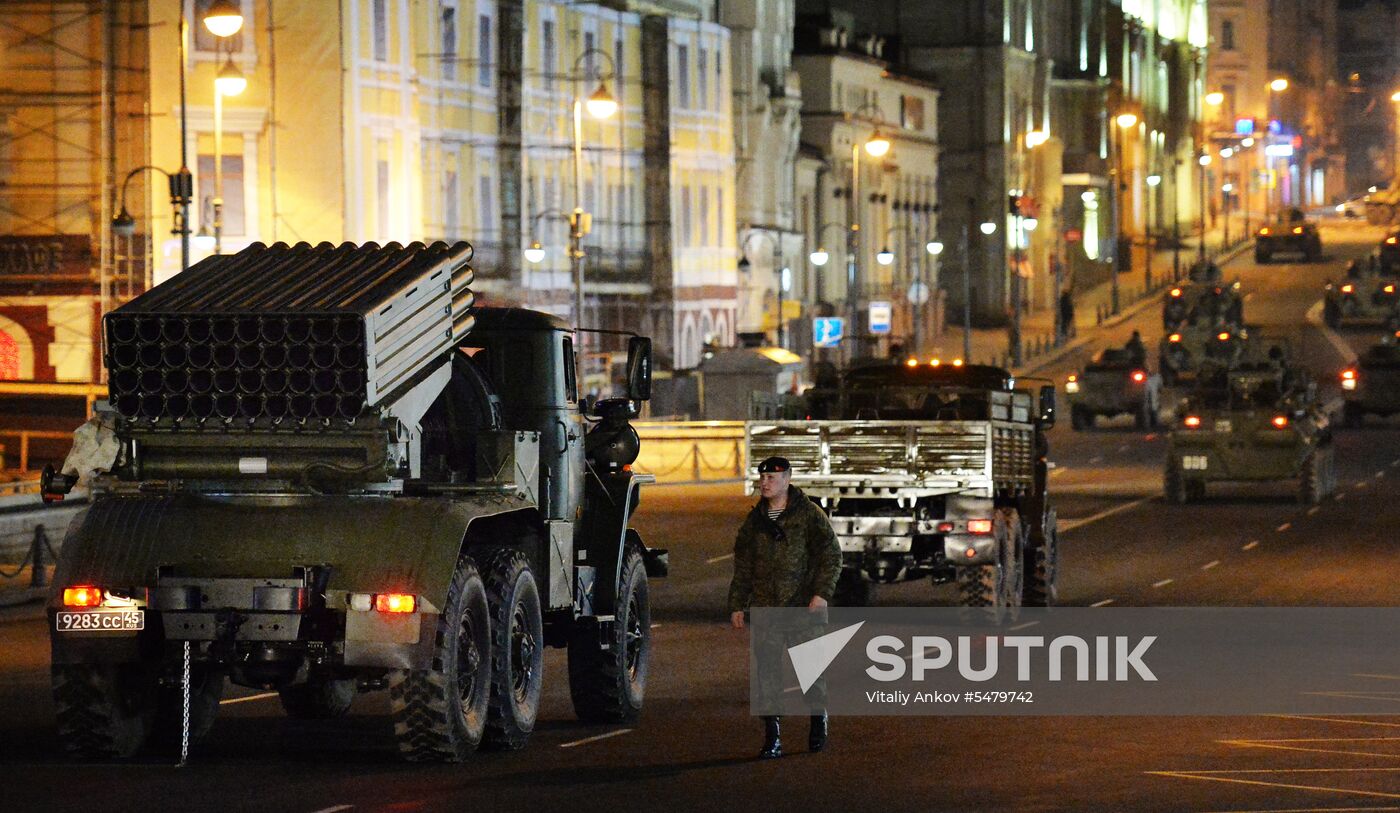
x=1047, y=406
x=639, y=368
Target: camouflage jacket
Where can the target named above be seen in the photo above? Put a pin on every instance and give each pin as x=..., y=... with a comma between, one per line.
x=784, y=563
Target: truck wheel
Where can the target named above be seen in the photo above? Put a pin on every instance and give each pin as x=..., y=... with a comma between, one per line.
x=852, y=589
x=517, y=650
x=1174, y=486
x=1331, y=314
x=1042, y=567
x=994, y=590
x=318, y=698
x=1195, y=490
x=1080, y=418
x=103, y=711
x=206, y=690
x=1352, y=415
x=440, y=712
x=607, y=685
x=1261, y=257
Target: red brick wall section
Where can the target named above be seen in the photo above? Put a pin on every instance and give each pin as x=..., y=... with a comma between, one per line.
x=34, y=319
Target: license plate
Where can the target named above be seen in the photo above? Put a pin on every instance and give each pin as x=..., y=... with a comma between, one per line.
x=1192, y=462
x=100, y=621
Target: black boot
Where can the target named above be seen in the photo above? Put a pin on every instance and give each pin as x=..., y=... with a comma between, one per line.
x=772, y=743
x=816, y=736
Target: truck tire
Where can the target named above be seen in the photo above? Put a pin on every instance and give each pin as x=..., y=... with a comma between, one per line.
x=517, y=650
x=852, y=589
x=1042, y=566
x=1331, y=314
x=993, y=592
x=1261, y=257
x=1353, y=416
x=103, y=711
x=1080, y=418
x=440, y=712
x=608, y=685
x=319, y=698
x=206, y=690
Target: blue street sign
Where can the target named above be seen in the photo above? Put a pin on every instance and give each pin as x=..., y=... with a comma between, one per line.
x=827, y=331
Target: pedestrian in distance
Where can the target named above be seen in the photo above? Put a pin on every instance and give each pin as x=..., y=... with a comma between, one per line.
x=785, y=555
x=1136, y=349
x=1066, y=315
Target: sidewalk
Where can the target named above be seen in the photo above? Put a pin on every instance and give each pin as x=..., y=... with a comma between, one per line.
x=1092, y=308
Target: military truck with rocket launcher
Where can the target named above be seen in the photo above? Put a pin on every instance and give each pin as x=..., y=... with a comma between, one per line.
x=329, y=473
x=928, y=470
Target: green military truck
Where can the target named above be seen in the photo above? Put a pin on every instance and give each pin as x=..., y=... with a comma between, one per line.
x=1203, y=299
x=328, y=473
x=1371, y=385
x=928, y=470
x=1257, y=421
x=1185, y=353
x=1292, y=233
x=1367, y=293
x=1114, y=383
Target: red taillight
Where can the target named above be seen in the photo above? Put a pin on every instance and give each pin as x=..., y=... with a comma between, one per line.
x=1192, y=422
x=1264, y=231
x=1175, y=337
x=1280, y=421
x=1348, y=288
x=395, y=603
x=979, y=526
x=1297, y=229
x=1073, y=377
x=1390, y=241
x=1224, y=337
x=82, y=596
x=1176, y=292
x=1348, y=375
x=945, y=527
x=1390, y=289
x=1139, y=376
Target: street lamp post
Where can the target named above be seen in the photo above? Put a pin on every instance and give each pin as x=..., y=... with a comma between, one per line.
x=601, y=105
x=223, y=20
x=1124, y=246
x=124, y=224
x=1153, y=181
x=917, y=294
x=744, y=266
x=988, y=228
x=1204, y=161
x=1276, y=87
x=876, y=146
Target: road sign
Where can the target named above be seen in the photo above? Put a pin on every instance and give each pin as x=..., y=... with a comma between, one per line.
x=918, y=292
x=880, y=317
x=827, y=331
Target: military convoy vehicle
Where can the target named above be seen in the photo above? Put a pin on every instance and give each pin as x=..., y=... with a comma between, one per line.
x=1368, y=293
x=928, y=470
x=1291, y=234
x=1256, y=421
x=1184, y=353
x=329, y=473
x=1371, y=386
x=1203, y=299
x=1114, y=383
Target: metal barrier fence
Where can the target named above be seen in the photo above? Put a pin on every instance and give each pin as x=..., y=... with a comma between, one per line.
x=39, y=557
x=691, y=451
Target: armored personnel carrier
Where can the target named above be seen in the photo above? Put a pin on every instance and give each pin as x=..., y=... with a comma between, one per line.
x=1371, y=386
x=1114, y=383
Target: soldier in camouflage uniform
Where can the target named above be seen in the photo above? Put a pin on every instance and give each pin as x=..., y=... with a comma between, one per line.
x=785, y=555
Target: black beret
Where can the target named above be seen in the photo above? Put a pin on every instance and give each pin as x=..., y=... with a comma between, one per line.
x=774, y=464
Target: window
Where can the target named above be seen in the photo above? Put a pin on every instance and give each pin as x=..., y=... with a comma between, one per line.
x=588, y=55
x=704, y=216
x=570, y=376
x=449, y=43
x=234, y=212
x=686, y=238
x=911, y=112
x=1227, y=35
x=483, y=51
x=382, y=197
x=487, y=213
x=618, y=63
x=206, y=41
x=450, y=220
x=547, y=54
x=719, y=215
x=703, y=75
x=682, y=76
x=380, y=27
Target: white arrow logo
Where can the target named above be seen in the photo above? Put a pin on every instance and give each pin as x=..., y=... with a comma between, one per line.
x=810, y=659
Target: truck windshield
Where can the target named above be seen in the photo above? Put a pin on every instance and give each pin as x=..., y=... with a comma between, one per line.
x=910, y=402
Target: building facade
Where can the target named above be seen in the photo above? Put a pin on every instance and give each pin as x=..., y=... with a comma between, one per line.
x=1368, y=70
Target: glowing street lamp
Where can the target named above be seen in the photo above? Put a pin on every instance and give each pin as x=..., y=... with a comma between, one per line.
x=1214, y=98
x=1154, y=179
x=223, y=19
x=1036, y=137
x=601, y=105
x=877, y=145
x=987, y=227
x=1126, y=120
x=819, y=257
x=1279, y=85
x=535, y=253
x=885, y=256
x=934, y=247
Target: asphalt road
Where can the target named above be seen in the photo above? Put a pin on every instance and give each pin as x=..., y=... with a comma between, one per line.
x=695, y=745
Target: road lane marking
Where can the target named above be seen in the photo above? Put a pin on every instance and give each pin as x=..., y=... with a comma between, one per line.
x=1070, y=525
x=1251, y=545
x=1323, y=789
x=1380, y=474
x=1056, y=471
x=1022, y=626
x=1097, y=459
x=595, y=738
x=1376, y=677
x=1395, y=464
x=1332, y=720
x=1123, y=448
x=1313, y=511
x=335, y=809
x=1340, y=496
x=719, y=558
x=1285, y=526
x=1271, y=744
x=1314, y=317
x=654, y=626
x=1162, y=583
x=1311, y=810
x=1211, y=564
x=251, y=697
x=1103, y=603
x=1360, y=485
